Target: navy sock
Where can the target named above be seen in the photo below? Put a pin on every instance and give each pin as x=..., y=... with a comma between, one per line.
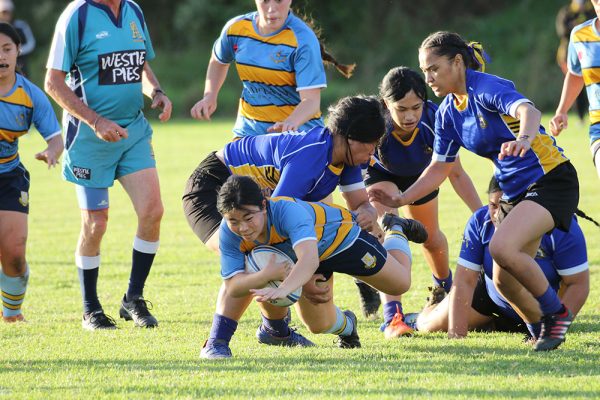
x=140, y=269
x=549, y=302
x=88, y=280
x=390, y=309
x=277, y=327
x=445, y=283
x=222, y=328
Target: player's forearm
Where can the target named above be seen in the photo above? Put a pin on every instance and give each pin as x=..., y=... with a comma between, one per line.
x=461, y=297
x=308, y=107
x=530, y=120
x=572, y=86
x=150, y=82
x=216, y=74
x=240, y=284
x=464, y=188
x=56, y=88
x=430, y=179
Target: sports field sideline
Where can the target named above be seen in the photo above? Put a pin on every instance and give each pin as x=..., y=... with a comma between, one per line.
x=52, y=357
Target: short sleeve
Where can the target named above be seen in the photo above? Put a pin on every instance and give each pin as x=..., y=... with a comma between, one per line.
x=570, y=255
x=445, y=145
x=232, y=258
x=351, y=179
x=223, y=47
x=293, y=221
x=497, y=94
x=308, y=66
x=472, y=249
x=44, y=118
x=573, y=64
x=65, y=43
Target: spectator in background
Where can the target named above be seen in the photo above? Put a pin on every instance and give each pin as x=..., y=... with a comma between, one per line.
x=568, y=17
x=7, y=9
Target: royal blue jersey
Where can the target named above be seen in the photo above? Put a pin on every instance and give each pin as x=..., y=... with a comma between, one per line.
x=25, y=104
x=482, y=122
x=289, y=222
x=103, y=56
x=294, y=164
x=560, y=254
x=583, y=60
x=411, y=156
x=272, y=68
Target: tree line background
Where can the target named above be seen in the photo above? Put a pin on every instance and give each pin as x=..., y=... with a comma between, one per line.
x=519, y=35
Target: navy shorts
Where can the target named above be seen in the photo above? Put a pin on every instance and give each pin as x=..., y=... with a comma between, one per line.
x=365, y=257
x=374, y=175
x=14, y=190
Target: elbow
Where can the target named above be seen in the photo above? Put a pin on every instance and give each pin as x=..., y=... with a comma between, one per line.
x=49, y=85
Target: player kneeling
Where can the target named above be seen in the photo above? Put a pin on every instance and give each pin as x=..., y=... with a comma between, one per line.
x=321, y=238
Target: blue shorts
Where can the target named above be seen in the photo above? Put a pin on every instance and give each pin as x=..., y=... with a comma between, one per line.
x=92, y=162
x=365, y=257
x=14, y=190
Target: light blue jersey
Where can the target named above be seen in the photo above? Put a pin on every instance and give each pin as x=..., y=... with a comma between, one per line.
x=560, y=254
x=25, y=104
x=272, y=68
x=289, y=222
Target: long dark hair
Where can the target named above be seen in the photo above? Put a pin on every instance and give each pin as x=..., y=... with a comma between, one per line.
x=449, y=44
x=237, y=192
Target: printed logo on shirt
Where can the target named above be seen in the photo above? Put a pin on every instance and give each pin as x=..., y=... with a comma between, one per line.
x=121, y=67
x=427, y=149
x=531, y=194
x=135, y=32
x=541, y=253
x=24, y=199
x=482, y=122
x=102, y=35
x=369, y=260
x=20, y=119
x=279, y=57
x=82, y=173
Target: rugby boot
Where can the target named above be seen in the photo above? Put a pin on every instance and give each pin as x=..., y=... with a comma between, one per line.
x=291, y=340
x=351, y=341
x=369, y=299
x=554, y=329
x=136, y=310
x=215, y=349
x=412, y=229
x=97, y=320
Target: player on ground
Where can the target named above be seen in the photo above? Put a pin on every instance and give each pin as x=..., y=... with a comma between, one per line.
x=102, y=49
x=319, y=237
x=280, y=62
x=486, y=115
x=21, y=105
x=475, y=303
x=582, y=61
x=402, y=155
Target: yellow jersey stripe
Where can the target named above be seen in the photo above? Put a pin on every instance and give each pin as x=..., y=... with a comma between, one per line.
x=8, y=159
x=265, y=113
x=245, y=28
x=591, y=76
x=594, y=116
x=343, y=231
x=19, y=97
x=512, y=123
x=320, y=219
x=265, y=75
x=267, y=176
x=10, y=136
x=13, y=297
x=547, y=153
x=586, y=34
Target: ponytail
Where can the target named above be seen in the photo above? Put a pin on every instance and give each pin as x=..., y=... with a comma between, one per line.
x=450, y=44
x=583, y=215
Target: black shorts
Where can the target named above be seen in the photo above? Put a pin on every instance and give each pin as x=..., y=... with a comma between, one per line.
x=483, y=304
x=374, y=175
x=200, y=196
x=365, y=257
x=14, y=190
x=557, y=192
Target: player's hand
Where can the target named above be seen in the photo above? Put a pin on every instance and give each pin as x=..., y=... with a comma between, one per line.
x=393, y=200
x=378, y=233
x=203, y=109
x=317, y=290
x=276, y=271
x=49, y=156
x=514, y=148
x=282, y=127
x=109, y=131
x=365, y=219
x=559, y=122
x=268, y=293
x=162, y=102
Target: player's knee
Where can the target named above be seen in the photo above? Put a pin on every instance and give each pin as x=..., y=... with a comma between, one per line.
x=436, y=242
x=501, y=252
x=95, y=225
x=152, y=214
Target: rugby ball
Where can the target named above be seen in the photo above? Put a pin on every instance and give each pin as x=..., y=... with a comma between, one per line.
x=258, y=258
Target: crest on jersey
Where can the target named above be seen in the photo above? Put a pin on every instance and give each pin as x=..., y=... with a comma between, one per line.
x=279, y=57
x=24, y=199
x=369, y=260
x=135, y=32
x=20, y=119
x=482, y=122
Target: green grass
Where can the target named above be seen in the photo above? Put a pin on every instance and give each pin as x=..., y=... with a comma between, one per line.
x=52, y=357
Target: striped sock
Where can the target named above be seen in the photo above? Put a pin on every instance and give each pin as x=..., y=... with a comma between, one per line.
x=395, y=239
x=13, y=292
x=343, y=325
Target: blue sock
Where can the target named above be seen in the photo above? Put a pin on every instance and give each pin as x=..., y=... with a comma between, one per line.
x=222, y=328
x=343, y=325
x=87, y=270
x=534, y=329
x=141, y=262
x=13, y=292
x=276, y=327
x=549, y=302
x=395, y=239
x=390, y=309
x=445, y=283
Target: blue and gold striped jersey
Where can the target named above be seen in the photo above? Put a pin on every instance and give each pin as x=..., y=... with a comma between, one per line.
x=272, y=68
x=289, y=222
x=407, y=157
x=583, y=60
x=295, y=164
x=560, y=254
x=25, y=104
x=482, y=121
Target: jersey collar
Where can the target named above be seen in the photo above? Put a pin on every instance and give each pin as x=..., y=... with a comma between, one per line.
x=115, y=20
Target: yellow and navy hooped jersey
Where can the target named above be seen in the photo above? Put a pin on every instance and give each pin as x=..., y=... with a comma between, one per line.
x=104, y=58
x=294, y=164
x=407, y=157
x=25, y=104
x=272, y=68
x=482, y=121
x=289, y=222
x=583, y=60
x=560, y=254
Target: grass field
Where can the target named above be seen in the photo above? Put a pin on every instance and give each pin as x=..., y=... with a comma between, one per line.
x=52, y=357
